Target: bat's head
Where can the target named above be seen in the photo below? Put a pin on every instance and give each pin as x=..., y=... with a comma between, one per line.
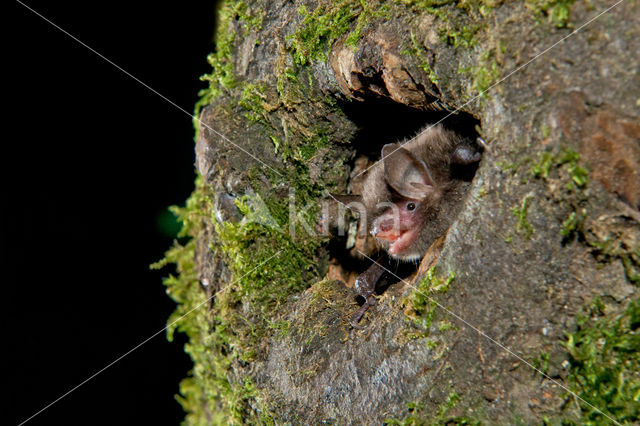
x=402, y=224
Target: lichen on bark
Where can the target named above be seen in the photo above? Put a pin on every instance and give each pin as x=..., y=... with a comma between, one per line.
x=298, y=91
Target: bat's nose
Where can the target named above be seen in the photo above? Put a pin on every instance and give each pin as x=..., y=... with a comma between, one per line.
x=386, y=230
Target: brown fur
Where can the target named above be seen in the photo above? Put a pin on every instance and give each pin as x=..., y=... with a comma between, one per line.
x=436, y=147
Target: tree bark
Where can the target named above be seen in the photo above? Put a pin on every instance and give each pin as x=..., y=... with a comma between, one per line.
x=549, y=233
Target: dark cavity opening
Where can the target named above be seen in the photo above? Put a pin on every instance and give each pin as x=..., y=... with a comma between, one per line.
x=381, y=121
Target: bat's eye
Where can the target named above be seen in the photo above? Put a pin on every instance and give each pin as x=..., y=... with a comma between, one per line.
x=411, y=206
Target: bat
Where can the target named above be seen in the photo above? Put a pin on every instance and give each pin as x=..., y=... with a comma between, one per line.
x=411, y=196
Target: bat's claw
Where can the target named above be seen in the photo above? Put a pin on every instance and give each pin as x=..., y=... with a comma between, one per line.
x=355, y=318
x=482, y=143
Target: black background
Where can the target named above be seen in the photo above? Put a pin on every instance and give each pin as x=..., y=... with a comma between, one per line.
x=93, y=163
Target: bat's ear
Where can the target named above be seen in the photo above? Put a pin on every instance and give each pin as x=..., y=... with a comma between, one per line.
x=405, y=173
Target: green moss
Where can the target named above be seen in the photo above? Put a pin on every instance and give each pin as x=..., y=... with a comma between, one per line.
x=431, y=343
x=222, y=75
x=421, y=305
x=611, y=246
x=606, y=244
x=191, y=314
x=299, y=151
x=545, y=130
x=548, y=161
x=248, y=243
x=460, y=29
x=252, y=101
x=483, y=75
x=631, y=267
x=244, y=311
x=370, y=11
x=419, y=415
x=299, y=144
x=484, y=7
x=513, y=166
x=451, y=402
x=209, y=337
x=321, y=28
x=282, y=328
x=420, y=52
x=167, y=224
x=521, y=213
x=424, y=5
x=605, y=364
x=229, y=332
x=445, y=325
x=572, y=226
x=413, y=408
x=463, y=36
x=541, y=363
x=251, y=20
x=288, y=80
x=310, y=147
x=556, y=11
x=579, y=175
x=257, y=105
x=233, y=328
x=545, y=162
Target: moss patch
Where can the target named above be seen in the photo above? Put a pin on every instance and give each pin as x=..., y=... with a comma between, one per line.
x=331, y=20
x=548, y=161
x=484, y=75
x=521, y=213
x=608, y=241
x=462, y=24
x=555, y=11
x=253, y=101
x=320, y=28
x=418, y=414
x=420, y=307
x=420, y=53
x=247, y=244
x=222, y=75
x=268, y=264
x=191, y=315
x=605, y=364
x=370, y=10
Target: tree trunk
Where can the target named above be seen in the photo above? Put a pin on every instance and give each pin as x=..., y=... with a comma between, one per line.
x=531, y=311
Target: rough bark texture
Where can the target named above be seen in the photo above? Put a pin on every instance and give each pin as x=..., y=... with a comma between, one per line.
x=551, y=223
